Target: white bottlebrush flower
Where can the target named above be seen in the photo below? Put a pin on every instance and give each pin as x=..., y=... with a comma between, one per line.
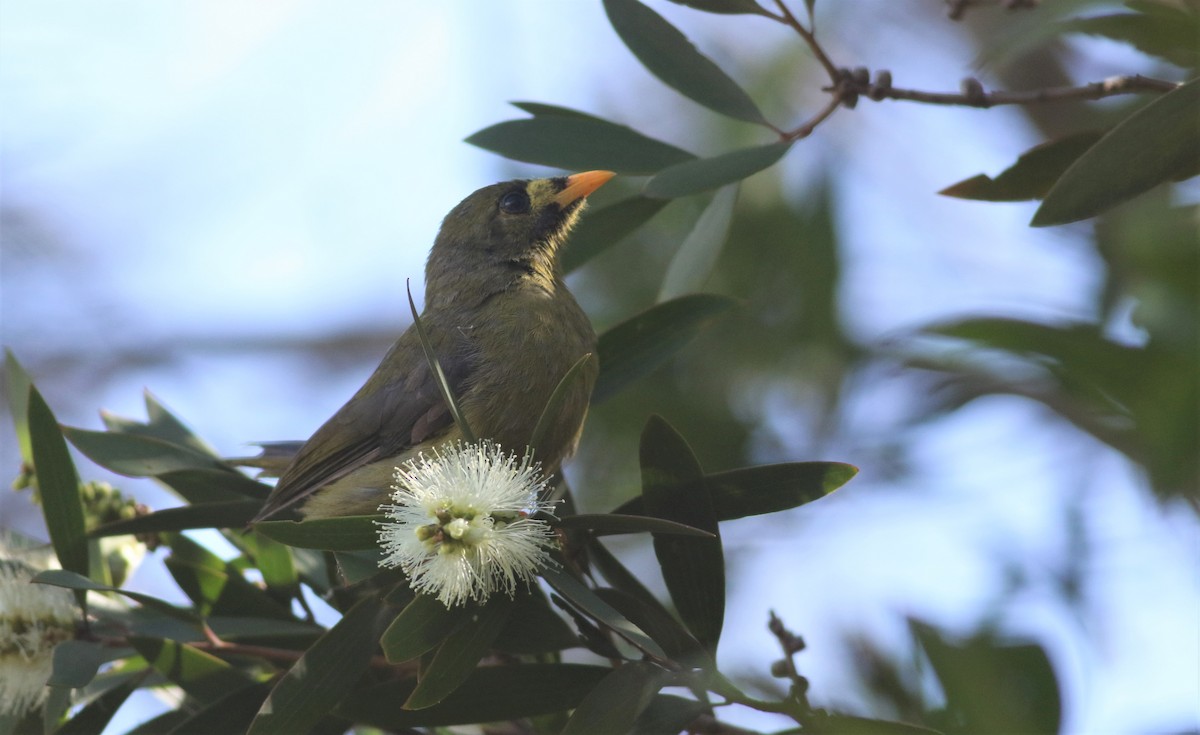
x=34, y=618
x=461, y=527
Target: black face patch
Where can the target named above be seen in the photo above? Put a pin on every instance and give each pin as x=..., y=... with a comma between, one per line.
x=515, y=202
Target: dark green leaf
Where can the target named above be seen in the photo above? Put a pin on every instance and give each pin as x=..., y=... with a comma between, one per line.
x=660, y=625
x=358, y=566
x=726, y=7
x=766, y=489
x=19, y=384
x=694, y=568
x=553, y=410
x=200, y=674
x=460, y=653
x=490, y=694
x=608, y=524
x=694, y=261
x=232, y=713
x=667, y=715
x=616, y=574
x=230, y=514
x=59, y=487
x=578, y=144
x=73, y=581
x=615, y=703
x=439, y=375
x=1031, y=176
x=162, y=424
x=1167, y=32
x=849, y=725
x=94, y=717
x=671, y=57
x=76, y=663
x=637, y=346
x=534, y=628
x=345, y=533
x=703, y=174
x=588, y=603
x=600, y=229
x=421, y=627
x=217, y=587
x=542, y=109
x=201, y=486
x=137, y=455
x=1156, y=144
x=325, y=673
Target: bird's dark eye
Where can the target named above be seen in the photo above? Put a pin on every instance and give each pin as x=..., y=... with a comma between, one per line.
x=514, y=202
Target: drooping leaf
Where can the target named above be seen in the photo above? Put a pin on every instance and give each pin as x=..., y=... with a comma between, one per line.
x=137, y=455
x=198, y=673
x=1156, y=144
x=230, y=514
x=19, y=384
x=671, y=57
x=439, y=375
x=344, y=533
x=1159, y=30
x=74, y=581
x=58, y=484
x=694, y=568
x=660, y=625
x=1031, y=176
x=586, y=602
x=326, y=672
x=420, y=627
x=704, y=174
x=765, y=489
x=726, y=7
x=637, y=346
x=601, y=229
x=694, y=261
x=491, y=694
x=554, y=404
x=608, y=524
x=615, y=703
x=578, y=144
x=460, y=653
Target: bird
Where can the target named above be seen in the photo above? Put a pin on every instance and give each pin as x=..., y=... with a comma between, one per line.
x=504, y=329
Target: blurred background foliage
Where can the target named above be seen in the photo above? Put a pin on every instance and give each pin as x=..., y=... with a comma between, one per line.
x=846, y=344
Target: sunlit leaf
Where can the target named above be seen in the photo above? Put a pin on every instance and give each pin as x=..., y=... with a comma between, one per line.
x=694, y=261
x=343, y=533
x=1156, y=144
x=326, y=672
x=671, y=57
x=1031, y=176
x=694, y=568
x=615, y=703
x=273, y=560
x=460, y=653
x=637, y=346
x=704, y=174
x=198, y=673
x=18, y=387
x=600, y=229
x=578, y=144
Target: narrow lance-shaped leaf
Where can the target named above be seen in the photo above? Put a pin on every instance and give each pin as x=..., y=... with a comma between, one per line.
x=138, y=455
x=460, y=653
x=673, y=487
x=583, y=599
x=343, y=533
x=438, y=374
x=608, y=524
x=600, y=229
x=233, y=514
x=704, y=174
x=197, y=672
x=58, y=485
x=578, y=144
x=19, y=384
x=421, y=627
x=554, y=405
x=1159, y=30
x=615, y=703
x=1031, y=176
x=694, y=261
x=671, y=57
x=542, y=109
x=1158, y=143
x=726, y=7
x=73, y=581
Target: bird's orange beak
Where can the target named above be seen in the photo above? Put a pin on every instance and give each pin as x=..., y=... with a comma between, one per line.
x=580, y=185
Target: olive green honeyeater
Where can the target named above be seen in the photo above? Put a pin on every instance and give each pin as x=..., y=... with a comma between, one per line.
x=505, y=331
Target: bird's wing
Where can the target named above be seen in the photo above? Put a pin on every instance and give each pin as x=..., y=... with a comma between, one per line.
x=400, y=406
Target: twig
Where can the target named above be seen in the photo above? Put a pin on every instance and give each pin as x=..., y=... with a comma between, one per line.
x=791, y=645
x=807, y=128
x=973, y=94
x=790, y=20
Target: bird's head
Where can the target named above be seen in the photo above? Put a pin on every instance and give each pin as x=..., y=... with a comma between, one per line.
x=508, y=229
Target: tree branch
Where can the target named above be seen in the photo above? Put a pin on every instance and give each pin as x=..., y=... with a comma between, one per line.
x=973, y=94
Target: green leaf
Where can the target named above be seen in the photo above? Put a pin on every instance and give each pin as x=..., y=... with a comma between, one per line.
x=694, y=568
x=217, y=587
x=671, y=57
x=438, y=374
x=615, y=703
x=542, y=109
x=200, y=486
x=491, y=694
x=660, y=625
x=600, y=229
x=1031, y=176
x=460, y=653
x=96, y=715
x=76, y=663
x=73, y=581
x=137, y=455
x=609, y=524
x=328, y=671
x=234, y=514
x=694, y=261
x=232, y=713
x=198, y=673
x=1158, y=143
x=534, y=629
x=58, y=484
x=1167, y=32
x=667, y=715
x=726, y=7
x=421, y=627
x=19, y=384
x=344, y=533
x=553, y=409
x=271, y=558
x=703, y=174
x=766, y=489
x=850, y=725
x=578, y=144
x=162, y=424
x=637, y=346
x=585, y=601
